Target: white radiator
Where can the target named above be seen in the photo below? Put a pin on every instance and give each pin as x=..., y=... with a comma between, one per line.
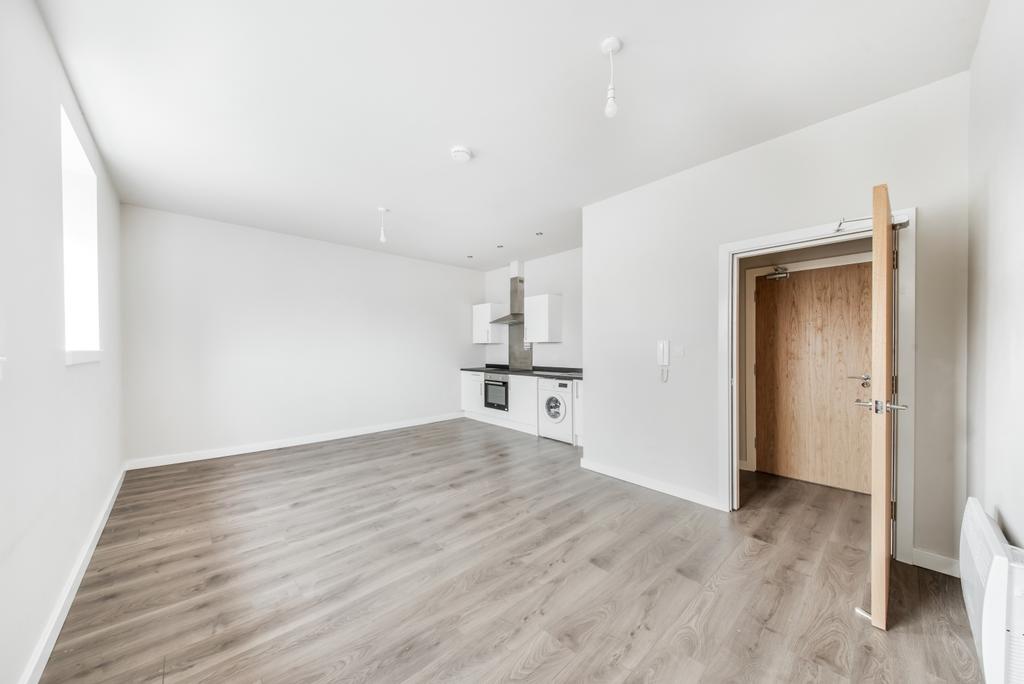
x=992, y=578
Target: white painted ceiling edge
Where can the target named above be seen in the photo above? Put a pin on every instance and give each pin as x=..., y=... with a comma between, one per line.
x=304, y=117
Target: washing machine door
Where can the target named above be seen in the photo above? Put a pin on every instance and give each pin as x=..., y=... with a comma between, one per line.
x=554, y=408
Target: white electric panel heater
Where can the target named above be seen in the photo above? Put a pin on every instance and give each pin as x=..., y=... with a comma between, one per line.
x=992, y=579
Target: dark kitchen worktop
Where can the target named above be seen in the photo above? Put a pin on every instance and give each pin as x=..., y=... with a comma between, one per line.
x=537, y=372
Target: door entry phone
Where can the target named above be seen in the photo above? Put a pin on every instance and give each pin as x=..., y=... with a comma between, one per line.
x=664, y=357
x=664, y=352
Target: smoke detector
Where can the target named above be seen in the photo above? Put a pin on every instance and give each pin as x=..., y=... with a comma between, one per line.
x=461, y=154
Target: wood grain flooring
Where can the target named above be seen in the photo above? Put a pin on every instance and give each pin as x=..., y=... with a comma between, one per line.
x=463, y=552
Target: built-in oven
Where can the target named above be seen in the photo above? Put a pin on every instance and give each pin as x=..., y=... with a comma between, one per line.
x=496, y=391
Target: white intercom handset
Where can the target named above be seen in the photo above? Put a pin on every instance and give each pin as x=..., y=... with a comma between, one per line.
x=664, y=357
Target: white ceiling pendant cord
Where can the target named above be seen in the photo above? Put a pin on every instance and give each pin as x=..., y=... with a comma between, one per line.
x=611, y=46
x=383, y=238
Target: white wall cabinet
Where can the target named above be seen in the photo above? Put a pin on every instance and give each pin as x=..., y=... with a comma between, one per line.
x=522, y=400
x=543, y=318
x=472, y=392
x=483, y=331
x=577, y=412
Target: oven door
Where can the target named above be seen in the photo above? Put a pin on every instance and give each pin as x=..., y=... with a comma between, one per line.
x=496, y=394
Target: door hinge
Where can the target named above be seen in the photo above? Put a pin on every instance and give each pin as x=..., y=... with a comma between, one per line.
x=895, y=385
x=895, y=259
x=893, y=510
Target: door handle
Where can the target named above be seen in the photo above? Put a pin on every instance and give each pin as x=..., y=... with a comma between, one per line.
x=876, y=406
x=865, y=377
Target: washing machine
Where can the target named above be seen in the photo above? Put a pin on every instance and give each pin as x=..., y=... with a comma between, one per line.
x=554, y=408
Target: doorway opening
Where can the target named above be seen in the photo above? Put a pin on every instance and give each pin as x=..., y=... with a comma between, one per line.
x=806, y=254
x=805, y=360
x=892, y=365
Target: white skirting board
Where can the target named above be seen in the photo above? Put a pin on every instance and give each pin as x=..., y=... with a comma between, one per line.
x=41, y=654
x=651, y=483
x=219, y=452
x=936, y=562
x=528, y=429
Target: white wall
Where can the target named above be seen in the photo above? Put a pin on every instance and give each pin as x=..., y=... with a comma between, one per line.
x=650, y=271
x=235, y=336
x=59, y=425
x=559, y=273
x=996, y=283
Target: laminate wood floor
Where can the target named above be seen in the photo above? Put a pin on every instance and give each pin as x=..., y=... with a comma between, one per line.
x=459, y=551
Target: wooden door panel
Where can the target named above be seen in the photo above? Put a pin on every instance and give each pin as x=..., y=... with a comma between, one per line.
x=812, y=331
x=883, y=244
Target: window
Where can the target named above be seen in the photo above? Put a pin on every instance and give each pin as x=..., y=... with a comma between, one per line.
x=81, y=258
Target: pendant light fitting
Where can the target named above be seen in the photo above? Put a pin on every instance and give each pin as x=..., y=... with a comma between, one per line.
x=611, y=46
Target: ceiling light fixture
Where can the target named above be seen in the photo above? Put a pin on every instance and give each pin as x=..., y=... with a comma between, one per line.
x=383, y=238
x=461, y=154
x=611, y=46
x=539, y=233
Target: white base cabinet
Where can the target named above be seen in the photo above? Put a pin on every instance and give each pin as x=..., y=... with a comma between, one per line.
x=577, y=412
x=472, y=391
x=522, y=402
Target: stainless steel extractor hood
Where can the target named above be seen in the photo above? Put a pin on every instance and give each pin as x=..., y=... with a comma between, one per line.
x=510, y=319
x=520, y=352
x=515, y=304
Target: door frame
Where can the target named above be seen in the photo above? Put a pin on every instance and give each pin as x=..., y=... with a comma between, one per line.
x=749, y=325
x=729, y=366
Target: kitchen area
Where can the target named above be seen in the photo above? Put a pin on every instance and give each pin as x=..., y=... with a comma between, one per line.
x=532, y=380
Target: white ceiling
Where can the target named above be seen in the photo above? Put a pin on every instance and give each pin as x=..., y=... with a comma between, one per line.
x=304, y=116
